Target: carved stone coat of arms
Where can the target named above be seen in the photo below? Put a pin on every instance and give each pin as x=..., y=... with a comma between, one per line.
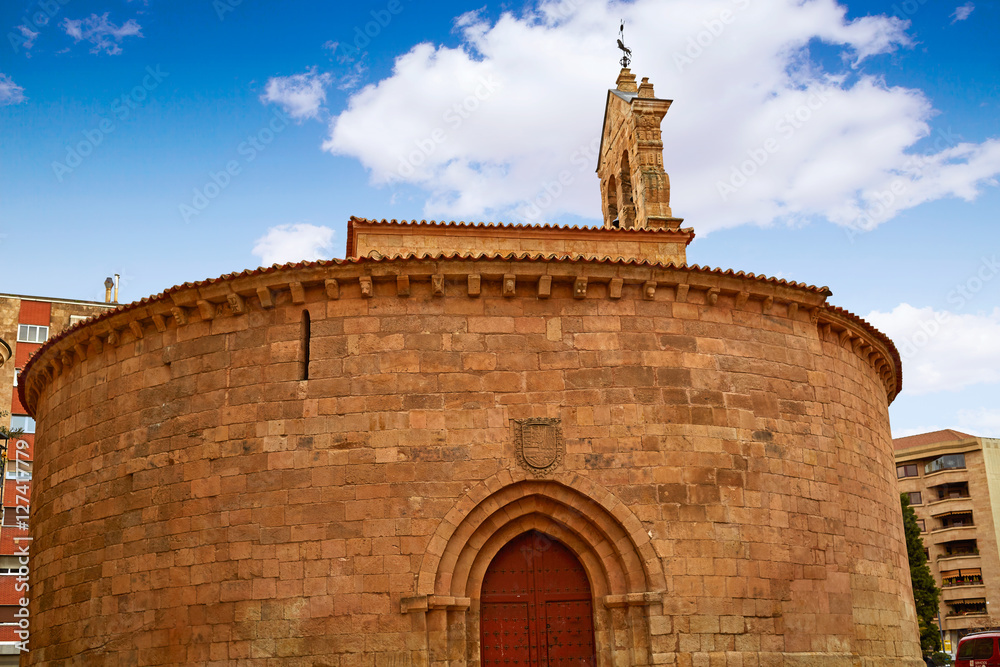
x=538, y=443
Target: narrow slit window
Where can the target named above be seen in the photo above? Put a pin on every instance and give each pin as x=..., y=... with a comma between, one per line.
x=306, y=333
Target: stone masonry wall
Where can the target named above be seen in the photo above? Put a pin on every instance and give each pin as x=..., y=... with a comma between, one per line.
x=726, y=480
x=391, y=237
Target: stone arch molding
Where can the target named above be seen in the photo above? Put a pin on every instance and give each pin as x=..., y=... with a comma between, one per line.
x=625, y=574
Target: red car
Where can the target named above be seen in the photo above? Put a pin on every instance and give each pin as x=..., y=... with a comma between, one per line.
x=979, y=650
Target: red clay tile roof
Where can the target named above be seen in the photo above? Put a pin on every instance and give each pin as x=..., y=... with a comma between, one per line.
x=947, y=435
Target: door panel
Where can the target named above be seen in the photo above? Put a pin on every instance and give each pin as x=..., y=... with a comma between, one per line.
x=505, y=634
x=570, y=633
x=536, y=606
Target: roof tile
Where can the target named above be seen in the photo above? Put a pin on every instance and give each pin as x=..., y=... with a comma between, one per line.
x=934, y=437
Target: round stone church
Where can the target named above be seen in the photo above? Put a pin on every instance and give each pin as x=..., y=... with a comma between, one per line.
x=476, y=445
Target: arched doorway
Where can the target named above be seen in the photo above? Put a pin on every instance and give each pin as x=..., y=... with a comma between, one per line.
x=536, y=606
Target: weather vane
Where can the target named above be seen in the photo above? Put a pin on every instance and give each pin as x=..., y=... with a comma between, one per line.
x=626, y=52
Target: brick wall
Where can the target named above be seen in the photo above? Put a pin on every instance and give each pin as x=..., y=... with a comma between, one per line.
x=726, y=480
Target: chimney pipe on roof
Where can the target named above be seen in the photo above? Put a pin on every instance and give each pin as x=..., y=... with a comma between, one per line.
x=117, y=281
x=108, y=285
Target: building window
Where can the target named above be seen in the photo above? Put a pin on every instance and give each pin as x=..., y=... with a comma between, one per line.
x=908, y=470
x=961, y=548
x=9, y=565
x=971, y=577
x=923, y=525
x=966, y=607
x=955, y=520
x=915, y=498
x=23, y=422
x=17, y=373
x=950, y=491
x=11, y=518
x=306, y=336
x=19, y=470
x=32, y=333
x=946, y=462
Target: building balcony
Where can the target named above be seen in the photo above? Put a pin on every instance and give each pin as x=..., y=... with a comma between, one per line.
x=948, y=534
x=950, y=476
x=963, y=622
x=963, y=592
x=956, y=504
x=949, y=491
x=958, y=562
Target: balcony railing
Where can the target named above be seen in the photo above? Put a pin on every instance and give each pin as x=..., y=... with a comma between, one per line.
x=978, y=611
x=968, y=580
x=954, y=495
x=958, y=554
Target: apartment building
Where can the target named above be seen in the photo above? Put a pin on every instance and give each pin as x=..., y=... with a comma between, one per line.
x=26, y=322
x=953, y=481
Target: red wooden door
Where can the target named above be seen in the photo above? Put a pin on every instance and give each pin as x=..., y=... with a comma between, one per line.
x=535, y=607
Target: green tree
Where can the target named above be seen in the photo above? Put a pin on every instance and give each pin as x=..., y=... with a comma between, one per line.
x=6, y=431
x=925, y=591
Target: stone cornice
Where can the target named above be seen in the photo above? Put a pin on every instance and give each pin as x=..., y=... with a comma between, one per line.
x=874, y=347
x=234, y=295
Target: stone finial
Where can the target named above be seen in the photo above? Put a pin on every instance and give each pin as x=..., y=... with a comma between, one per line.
x=646, y=88
x=626, y=81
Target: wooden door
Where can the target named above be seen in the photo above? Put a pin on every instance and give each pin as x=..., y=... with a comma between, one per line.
x=536, y=607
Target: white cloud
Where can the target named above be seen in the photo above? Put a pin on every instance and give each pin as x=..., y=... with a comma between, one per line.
x=980, y=421
x=294, y=243
x=488, y=127
x=300, y=95
x=102, y=33
x=350, y=61
x=942, y=350
x=27, y=39
x=962, y=12
x=10, y=92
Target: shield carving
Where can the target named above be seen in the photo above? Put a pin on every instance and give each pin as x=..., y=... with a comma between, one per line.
x=539, y=443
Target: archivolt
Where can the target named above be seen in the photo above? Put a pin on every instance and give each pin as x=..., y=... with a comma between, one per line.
x=590, y=520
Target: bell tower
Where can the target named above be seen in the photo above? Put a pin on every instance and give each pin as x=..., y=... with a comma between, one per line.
x=635, y=190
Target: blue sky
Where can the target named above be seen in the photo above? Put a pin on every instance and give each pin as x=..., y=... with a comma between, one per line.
x=179, y=141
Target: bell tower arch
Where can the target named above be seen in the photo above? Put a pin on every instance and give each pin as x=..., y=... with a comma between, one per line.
x=635, y=189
